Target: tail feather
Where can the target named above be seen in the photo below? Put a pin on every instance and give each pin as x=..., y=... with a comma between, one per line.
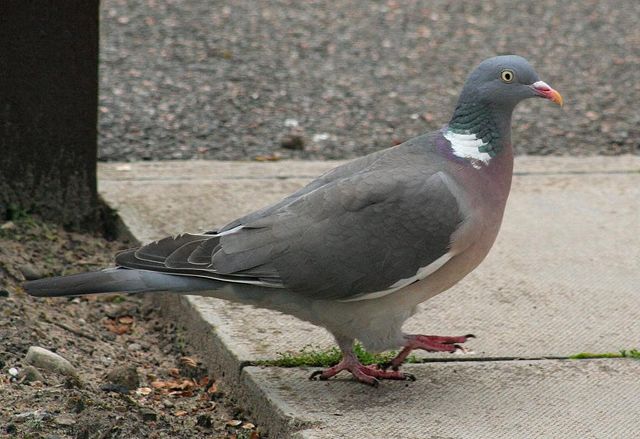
x=116, y=280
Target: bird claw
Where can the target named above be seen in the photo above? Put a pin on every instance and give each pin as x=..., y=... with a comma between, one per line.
x=430, y=343
x=317, y=375
x=370, y=375
x=461, y=350
x=386, y=365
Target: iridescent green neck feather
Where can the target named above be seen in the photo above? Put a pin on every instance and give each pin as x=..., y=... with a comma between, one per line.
x=479, y=120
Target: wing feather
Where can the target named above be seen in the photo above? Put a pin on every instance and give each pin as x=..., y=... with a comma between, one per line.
x=355, y=232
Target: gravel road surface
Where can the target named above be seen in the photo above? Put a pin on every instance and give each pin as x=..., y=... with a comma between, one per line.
x=336, y=79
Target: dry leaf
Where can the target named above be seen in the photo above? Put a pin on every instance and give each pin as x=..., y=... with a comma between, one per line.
x=213, y=388
x=176, y=387
x=188, y=361
x=184, y=384
x=180, y=413
x=234, y=422
x=174, y=372
x=248, y=426
x=125, y=320
x=204, y=381
x=158, y=384
x=254, y=435
x=116, y=328
x=143, y=391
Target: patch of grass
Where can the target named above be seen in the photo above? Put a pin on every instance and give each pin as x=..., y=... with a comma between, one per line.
x=631, y=353
x=34, y=424
x=315, y=357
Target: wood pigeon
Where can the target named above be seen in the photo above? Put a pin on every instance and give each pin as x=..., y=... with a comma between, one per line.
x=356, y=250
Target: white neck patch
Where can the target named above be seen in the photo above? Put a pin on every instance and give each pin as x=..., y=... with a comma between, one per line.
x=466, y=146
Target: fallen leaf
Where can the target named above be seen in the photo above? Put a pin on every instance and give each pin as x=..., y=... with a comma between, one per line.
x=180, y=413
x=158, y=384
x=116, y=328
x=428, y=117
x=248, y=426
x=188, y=361
x=213, y=388
x=185, y=384
x=174, y=372
x=174, y=386
x=234, y=422
x=125, y=320
x=144, y=391
x=182, y=393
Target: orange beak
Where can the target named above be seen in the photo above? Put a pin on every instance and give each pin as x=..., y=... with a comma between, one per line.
x=543, y=90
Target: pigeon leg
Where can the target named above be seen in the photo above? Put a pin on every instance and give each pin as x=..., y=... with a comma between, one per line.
x=365, y=374
x=430, y=343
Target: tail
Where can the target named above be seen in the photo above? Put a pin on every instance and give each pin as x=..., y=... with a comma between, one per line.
x=117, y=280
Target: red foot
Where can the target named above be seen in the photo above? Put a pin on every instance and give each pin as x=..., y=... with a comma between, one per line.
x=365, y=374
x=431, y=343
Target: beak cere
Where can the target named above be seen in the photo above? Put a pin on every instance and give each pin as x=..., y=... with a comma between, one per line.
x=543, y=90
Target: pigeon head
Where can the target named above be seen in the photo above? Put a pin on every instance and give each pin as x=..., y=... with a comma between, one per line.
x=481, y=123
x=503, y=81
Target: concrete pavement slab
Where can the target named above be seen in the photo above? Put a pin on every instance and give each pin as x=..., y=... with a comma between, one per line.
x=467, y=400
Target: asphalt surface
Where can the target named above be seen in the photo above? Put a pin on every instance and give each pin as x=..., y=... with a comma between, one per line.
x=234, y=79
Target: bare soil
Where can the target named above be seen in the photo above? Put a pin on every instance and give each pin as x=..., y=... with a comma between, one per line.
x=157, y=387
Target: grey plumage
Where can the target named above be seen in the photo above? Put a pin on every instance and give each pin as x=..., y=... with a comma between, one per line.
x=358, y=248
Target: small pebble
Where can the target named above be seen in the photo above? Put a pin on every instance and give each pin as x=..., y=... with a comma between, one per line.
x=123, y=377
x=49, y=361
x=65, y=421
x=204, y=420
x=41, y=415
x=292, y=141
x=9, y=225
x=116, y=388
x=109, y=336
x=30, y=374
x=320, y=137
x=167, y=404
x=149, y=415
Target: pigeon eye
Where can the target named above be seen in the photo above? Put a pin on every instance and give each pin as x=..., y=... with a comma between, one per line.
x=507, y=76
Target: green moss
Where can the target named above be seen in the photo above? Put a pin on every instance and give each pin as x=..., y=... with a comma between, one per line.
x=631, y=353
x=315, y=357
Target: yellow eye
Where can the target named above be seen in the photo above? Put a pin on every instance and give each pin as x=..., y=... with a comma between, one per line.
x=507, y=76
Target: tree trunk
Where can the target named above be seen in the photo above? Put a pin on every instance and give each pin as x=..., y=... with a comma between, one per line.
x=48, y=109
